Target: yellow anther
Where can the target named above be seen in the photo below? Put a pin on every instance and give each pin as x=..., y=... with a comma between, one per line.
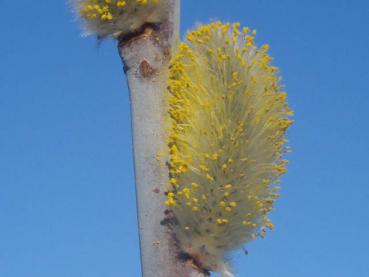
x=194, y=185
x=228, y=186
x=222, y=221
x=222, y=204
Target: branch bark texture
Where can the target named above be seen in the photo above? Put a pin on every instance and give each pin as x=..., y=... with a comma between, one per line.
x=145, y=55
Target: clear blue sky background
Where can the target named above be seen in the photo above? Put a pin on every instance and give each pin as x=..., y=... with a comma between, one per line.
x=67, y=203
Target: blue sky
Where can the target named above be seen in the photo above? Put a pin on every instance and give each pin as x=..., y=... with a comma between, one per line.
x=67, y=203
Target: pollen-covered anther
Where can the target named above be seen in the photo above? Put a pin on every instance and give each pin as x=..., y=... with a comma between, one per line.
x=222, y=221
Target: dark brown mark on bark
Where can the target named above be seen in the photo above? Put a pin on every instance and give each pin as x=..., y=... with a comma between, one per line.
x=145, y=69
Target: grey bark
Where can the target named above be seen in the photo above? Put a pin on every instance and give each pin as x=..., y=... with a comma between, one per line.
x=146, y=56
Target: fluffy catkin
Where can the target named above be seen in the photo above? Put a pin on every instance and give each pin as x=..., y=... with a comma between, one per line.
x=115, y=17
x=226, y=140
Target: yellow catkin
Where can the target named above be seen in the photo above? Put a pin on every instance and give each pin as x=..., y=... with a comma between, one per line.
x=113, y=17
x=227, y=120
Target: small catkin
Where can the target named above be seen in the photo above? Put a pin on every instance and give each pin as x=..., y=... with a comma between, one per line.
x=227, y=120
x=115, y=17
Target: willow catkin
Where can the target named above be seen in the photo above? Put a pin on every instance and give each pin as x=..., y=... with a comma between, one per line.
x=227, y=119
x=115, y=17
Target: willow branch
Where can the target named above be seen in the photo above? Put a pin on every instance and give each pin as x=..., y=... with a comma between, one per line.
x=145, y=54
